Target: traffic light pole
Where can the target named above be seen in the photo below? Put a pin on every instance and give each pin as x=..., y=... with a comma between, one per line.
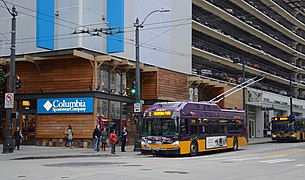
x=137, y=25
x=138, y=86
x=8, y=145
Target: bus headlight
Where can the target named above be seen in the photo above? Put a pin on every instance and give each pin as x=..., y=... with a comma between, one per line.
x=273, y=135
x=292, y=135
x=143, y=143
x=176, y=143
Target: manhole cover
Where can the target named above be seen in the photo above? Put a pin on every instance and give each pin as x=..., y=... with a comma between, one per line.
x=175, y=172
x=79, y=164
x=145, y=169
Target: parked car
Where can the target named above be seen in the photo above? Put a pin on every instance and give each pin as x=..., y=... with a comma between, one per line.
x=231, y=79
x=283, y=92
x=256, y=66
x=206, y=72
x=221, y=76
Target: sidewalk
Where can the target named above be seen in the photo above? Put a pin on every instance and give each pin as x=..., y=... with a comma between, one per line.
x=259, y=140
x=42, y=152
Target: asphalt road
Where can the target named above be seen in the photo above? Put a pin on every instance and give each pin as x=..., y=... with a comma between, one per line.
x=278, y=161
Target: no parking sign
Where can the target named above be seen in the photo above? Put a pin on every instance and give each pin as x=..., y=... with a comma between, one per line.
x=9, y=100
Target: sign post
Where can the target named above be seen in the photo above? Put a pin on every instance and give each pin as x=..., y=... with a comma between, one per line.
x=137, y=107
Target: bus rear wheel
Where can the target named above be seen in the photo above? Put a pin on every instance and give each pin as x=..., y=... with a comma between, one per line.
x=235, y=144
x=194, y=148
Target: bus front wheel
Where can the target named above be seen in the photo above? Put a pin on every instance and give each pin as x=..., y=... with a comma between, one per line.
x=235, y=144
x=194, y=148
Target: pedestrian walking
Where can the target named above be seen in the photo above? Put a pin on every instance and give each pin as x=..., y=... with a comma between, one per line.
x=69, y=137
x=17, y=136
x=123, y=138
x=113, y=139
x=97, y=135
x=104, y=139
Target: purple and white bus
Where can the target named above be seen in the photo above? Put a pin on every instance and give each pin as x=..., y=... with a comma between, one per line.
x=177, y=128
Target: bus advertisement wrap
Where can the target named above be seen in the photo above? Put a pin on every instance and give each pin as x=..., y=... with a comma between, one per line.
x=216, y=142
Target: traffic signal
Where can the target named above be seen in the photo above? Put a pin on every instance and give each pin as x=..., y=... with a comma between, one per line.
x=133, y=88
x=18, y=82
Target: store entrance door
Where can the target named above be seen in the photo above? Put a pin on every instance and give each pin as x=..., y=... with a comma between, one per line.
x=27, y=124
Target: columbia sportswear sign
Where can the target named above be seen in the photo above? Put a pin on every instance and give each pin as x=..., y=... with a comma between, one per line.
x=65, y=105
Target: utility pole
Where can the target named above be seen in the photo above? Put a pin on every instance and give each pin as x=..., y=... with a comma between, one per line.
x=8, y=145
x=138, y=25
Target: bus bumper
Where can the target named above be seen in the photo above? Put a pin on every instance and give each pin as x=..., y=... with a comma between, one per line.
x=167, y=151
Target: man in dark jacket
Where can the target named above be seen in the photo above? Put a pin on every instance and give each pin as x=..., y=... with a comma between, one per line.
x=17, y=136
x=97, y=135
x=123, y=139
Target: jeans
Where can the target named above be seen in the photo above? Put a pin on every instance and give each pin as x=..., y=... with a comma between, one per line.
x=96, y=144
x=112, y=148
x=69, y=141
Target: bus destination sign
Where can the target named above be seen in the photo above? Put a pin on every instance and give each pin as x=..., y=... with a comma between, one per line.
x=160, y=113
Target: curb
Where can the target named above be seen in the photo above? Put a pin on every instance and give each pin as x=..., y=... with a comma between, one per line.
x=263, y=142
x=64, y=156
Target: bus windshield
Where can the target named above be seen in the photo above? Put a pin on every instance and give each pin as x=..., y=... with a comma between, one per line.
x=281, y=126
x=160, y=127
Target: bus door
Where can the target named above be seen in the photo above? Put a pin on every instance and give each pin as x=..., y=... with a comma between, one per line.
x=27, y=124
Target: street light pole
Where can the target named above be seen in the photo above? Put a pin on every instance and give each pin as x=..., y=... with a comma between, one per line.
x=244, y=89
x=290, y=84
x=8, y=145
x=138, y=25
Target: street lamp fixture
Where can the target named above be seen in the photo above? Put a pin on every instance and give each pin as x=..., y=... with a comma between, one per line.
x=138, y=25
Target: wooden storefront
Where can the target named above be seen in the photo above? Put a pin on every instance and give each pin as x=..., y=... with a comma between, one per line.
x=73, y=74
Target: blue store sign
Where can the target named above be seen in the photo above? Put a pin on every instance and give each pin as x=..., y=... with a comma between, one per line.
x=65, y=105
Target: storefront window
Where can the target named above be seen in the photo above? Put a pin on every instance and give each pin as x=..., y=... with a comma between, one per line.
x=115, y=82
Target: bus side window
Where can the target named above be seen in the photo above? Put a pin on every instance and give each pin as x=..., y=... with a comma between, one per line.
x=184, y=127
x=194, y=126
x=223, y=127
x=213, y=127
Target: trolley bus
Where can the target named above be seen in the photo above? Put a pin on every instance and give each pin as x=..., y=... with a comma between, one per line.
x=178, y=128
x=288, y=128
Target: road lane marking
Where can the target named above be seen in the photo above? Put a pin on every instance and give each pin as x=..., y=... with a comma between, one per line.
x=285, y=153
x=277, y=161
x=299, y=165
x=246, y=159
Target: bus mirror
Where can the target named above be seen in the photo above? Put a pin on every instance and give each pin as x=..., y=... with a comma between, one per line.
x=291, y=119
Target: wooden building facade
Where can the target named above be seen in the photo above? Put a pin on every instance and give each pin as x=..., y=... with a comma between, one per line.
x=79, y=73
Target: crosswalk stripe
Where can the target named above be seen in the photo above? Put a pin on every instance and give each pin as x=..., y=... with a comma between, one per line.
x=277, y=161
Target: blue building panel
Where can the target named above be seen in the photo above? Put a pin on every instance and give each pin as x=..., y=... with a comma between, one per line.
x=115, y=17
x=45, y=24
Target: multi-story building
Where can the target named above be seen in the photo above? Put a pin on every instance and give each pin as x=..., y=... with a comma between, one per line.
x=83, y=51
x=260, y=38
